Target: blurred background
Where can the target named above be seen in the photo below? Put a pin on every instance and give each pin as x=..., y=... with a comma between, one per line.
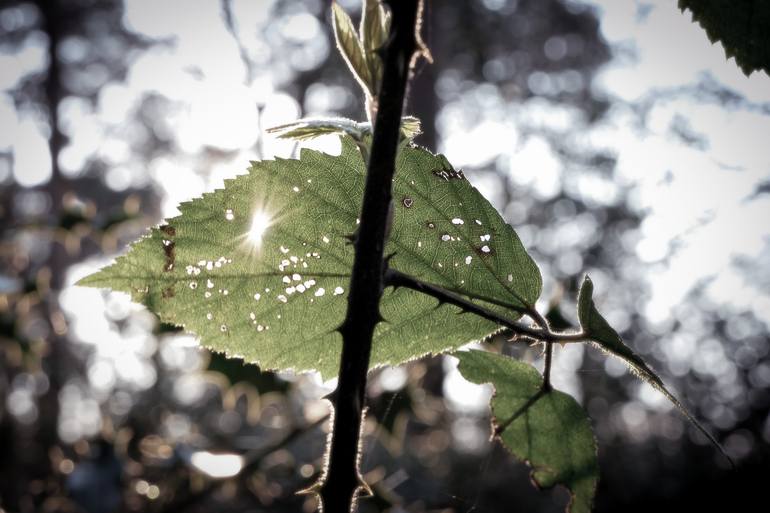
x=612, y=135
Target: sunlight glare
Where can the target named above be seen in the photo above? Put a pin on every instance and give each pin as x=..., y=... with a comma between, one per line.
x=260, y=222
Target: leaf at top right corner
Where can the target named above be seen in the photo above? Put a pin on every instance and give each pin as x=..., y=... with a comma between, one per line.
x=601, y=333
x=741, y=26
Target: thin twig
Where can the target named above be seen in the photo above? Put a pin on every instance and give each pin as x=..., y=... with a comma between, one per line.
x=542, y=321
x=547, y=367
x=252, y=461
x=398, y=279
x=539, y=318
x=229, y=20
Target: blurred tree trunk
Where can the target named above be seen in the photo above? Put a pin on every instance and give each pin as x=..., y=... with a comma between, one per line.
x=54, y=356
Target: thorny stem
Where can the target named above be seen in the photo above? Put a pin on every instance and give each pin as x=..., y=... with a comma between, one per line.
x=539, y=318
x=341, y=480
x=396, y=278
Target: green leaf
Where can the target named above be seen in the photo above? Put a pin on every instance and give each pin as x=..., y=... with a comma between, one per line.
x=373, y=31
x=410, y=127
x=260, y=269
x=446, y=233
x=351, y=49
x=599, y=330
x=310, y=128
x=548, y=430
x=742, y=26
x=374, y=25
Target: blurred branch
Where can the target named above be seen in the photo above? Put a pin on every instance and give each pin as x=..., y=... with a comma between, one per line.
x=253, y=460
x=227, y=15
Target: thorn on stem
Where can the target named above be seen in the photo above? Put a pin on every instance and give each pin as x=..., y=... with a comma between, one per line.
x=386, y=260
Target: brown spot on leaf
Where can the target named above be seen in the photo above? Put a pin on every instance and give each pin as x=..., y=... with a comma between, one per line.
x=430, y=225
x=168, y=292
x=448, y=174
x=170, y=251
x=169, y=247
x=407, y=202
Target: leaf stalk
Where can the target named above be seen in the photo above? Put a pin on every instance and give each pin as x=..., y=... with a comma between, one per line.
x=396, y=278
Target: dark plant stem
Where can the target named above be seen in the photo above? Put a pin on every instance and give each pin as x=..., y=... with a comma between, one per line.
x=341, y=481
x=547, y=367
x=544, y=324
x=398, y=279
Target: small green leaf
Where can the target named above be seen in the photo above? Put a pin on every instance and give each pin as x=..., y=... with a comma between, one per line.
x=598, y=329
x=548, y=430
x=410, y=127
x=742, y=26
x=260, y=269
x=373, y=28
x=351, y=49
x=373, y=34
